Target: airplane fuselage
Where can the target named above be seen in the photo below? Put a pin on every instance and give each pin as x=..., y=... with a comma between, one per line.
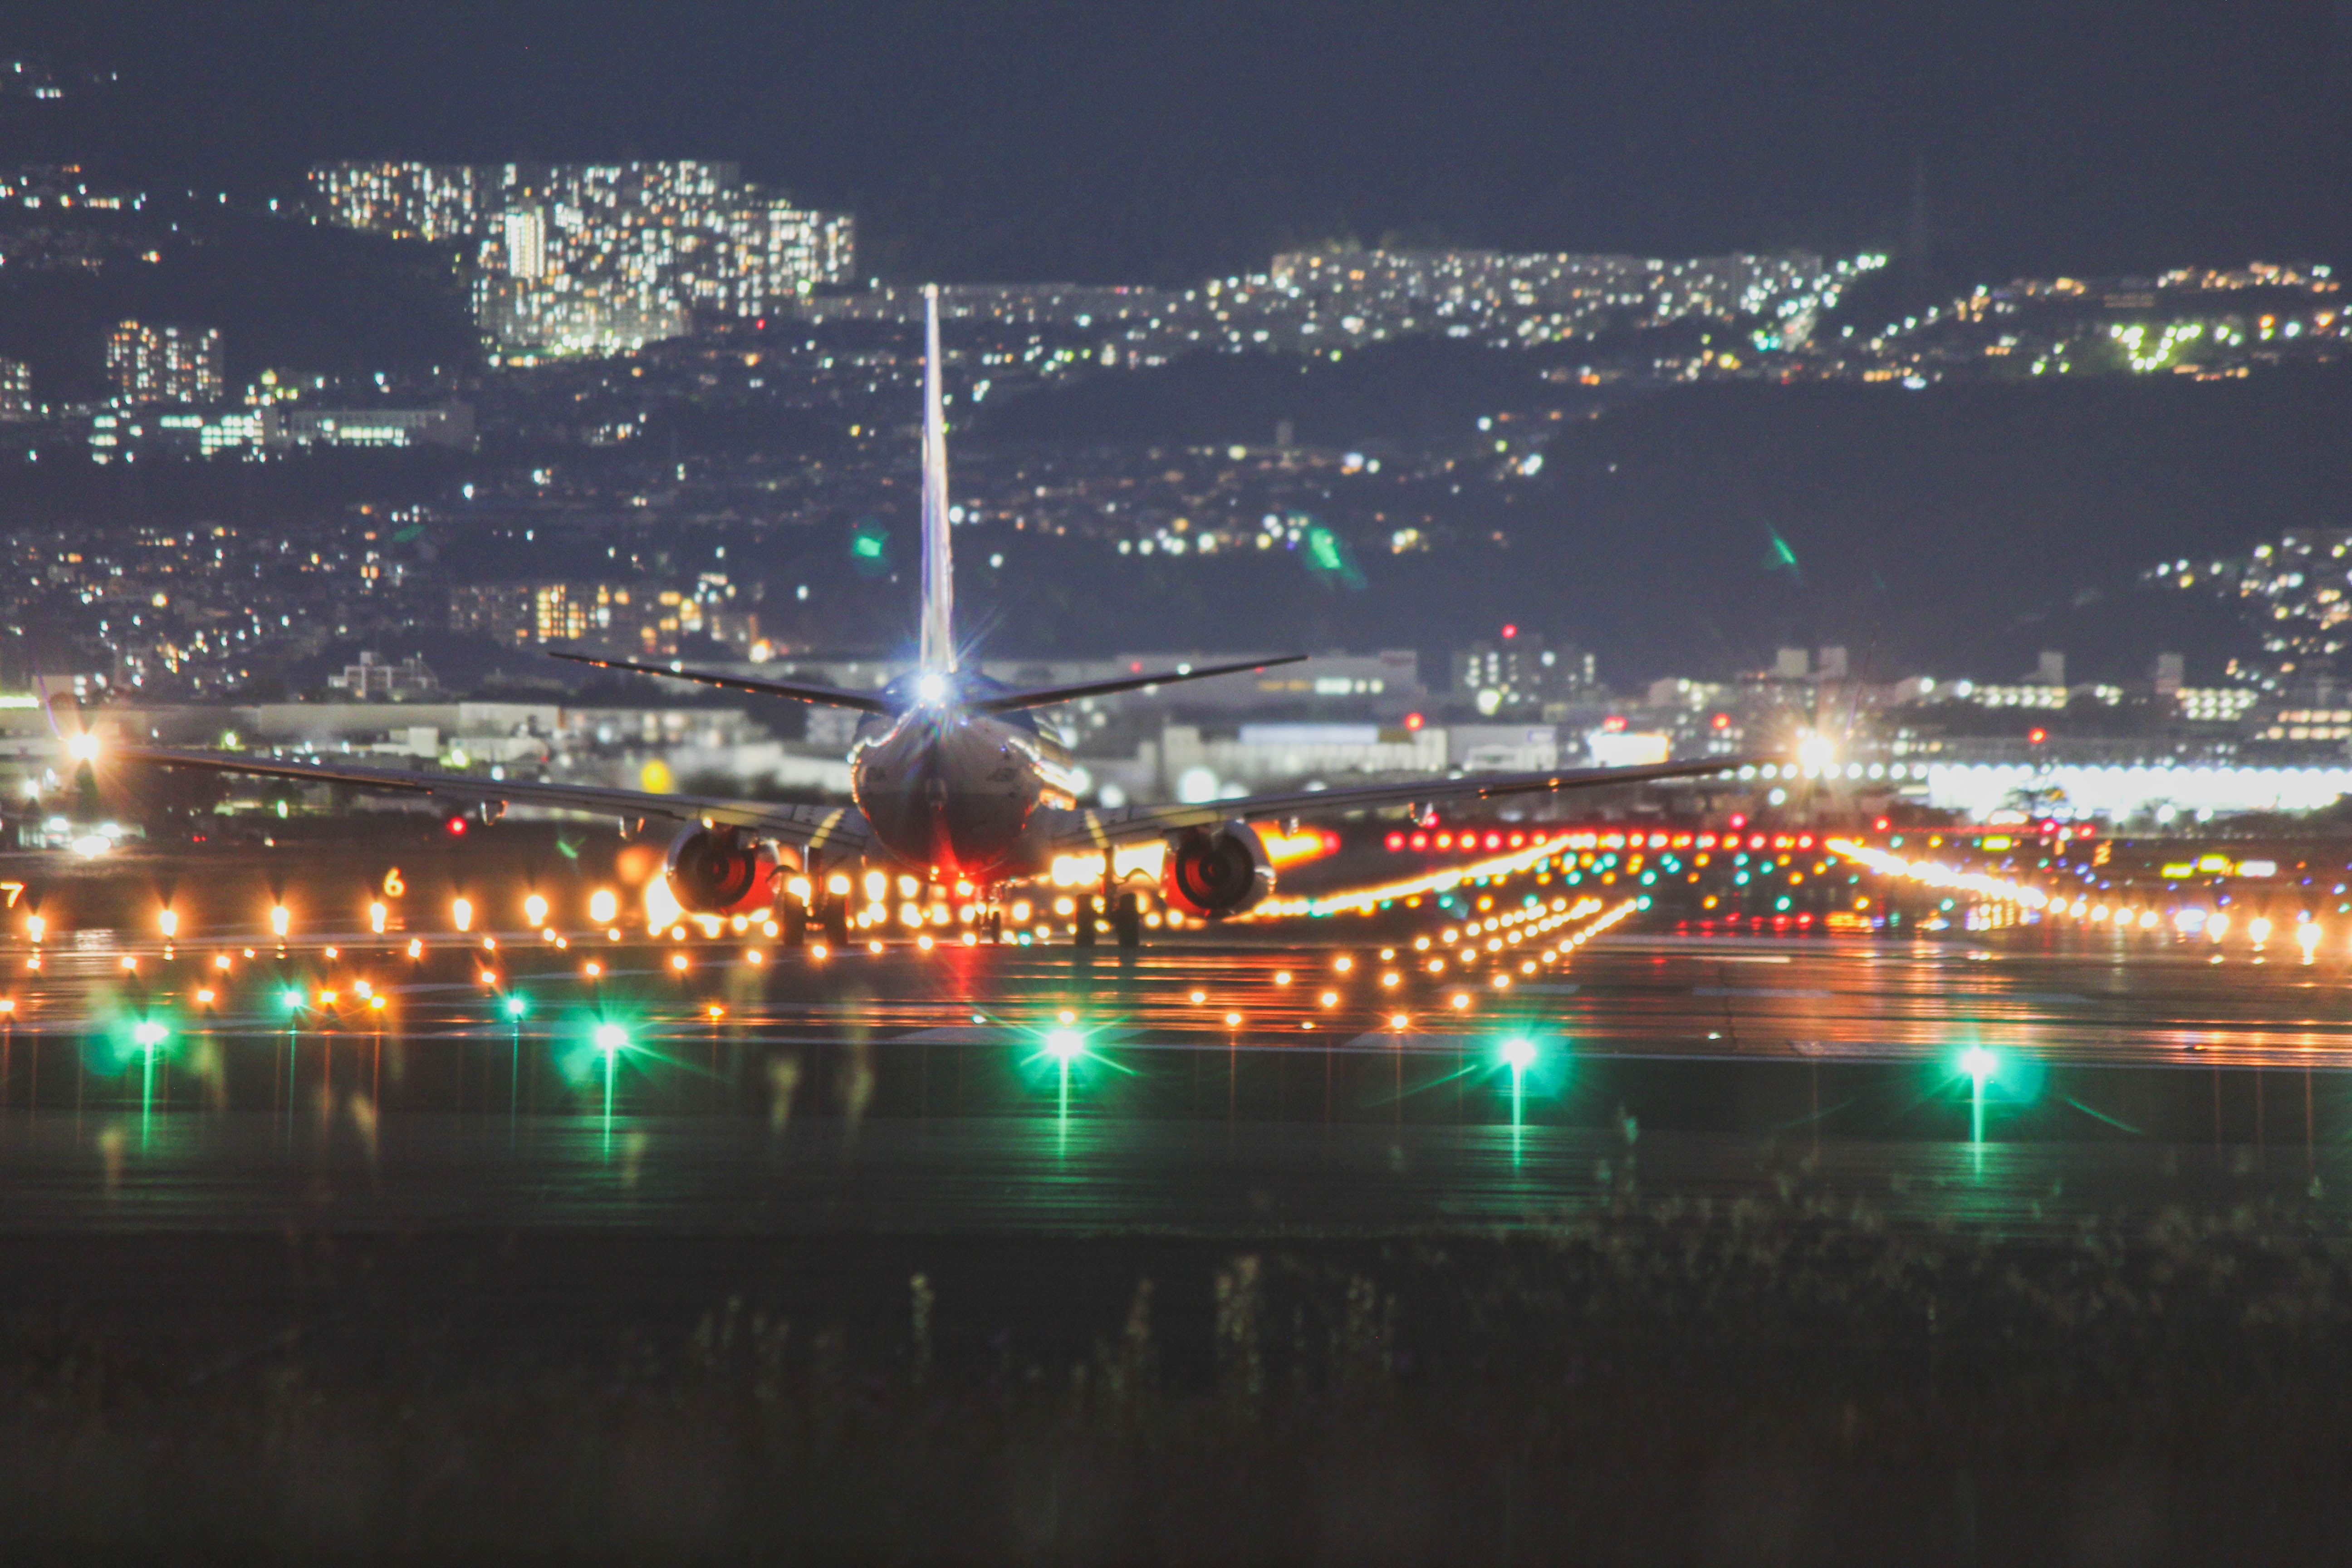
x=955, y=791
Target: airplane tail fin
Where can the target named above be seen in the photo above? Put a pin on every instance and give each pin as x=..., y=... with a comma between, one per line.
x=937, y=647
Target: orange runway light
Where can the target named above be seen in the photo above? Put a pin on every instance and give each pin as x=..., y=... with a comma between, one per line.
x=755, y=956
x=204, y=998
x=678, y=962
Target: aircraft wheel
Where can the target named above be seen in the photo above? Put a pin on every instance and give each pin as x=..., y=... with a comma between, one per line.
x=1127, y=920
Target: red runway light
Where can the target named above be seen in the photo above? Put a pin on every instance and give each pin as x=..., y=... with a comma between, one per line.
x=455, y=826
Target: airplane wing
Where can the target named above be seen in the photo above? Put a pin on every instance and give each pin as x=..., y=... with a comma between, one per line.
x=799, y=691
x=1045, y=696
x=830, y=827
x=1095, y=829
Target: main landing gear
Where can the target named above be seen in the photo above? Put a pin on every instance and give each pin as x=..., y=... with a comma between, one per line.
x=1126, y=919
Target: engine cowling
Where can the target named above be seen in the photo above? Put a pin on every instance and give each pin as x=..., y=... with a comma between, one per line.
x=721, y=871
x=1215, y=872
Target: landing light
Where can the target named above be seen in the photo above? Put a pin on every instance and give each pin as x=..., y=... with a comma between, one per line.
x=932, y=687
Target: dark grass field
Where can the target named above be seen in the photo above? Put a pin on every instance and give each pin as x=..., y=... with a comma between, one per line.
x=1791, y=1377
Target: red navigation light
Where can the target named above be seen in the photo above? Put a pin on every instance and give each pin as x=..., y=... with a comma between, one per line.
x=1614, y=723
x=1413, y=721
x=1510, y=631
x=2036, y=735
x=455, y=824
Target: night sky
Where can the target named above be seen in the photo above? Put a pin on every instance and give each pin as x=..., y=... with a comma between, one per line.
x=1117, y=141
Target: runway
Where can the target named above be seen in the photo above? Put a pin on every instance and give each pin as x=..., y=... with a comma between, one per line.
x=1254, y=1085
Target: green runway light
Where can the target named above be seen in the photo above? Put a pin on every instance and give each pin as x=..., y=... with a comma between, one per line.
x=1066, y=1046
x=611, y=1038
x=1518, y=1054
x=1979, y=1063
x=293, y=998
x=149, y=1035
x=517, y=1007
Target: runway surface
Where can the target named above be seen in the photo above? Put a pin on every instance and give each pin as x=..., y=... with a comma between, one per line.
x=1262, y=1086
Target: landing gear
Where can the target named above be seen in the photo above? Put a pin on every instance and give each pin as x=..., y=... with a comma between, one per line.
x=1127, y=920
x=1082, y=929
x=794, y=918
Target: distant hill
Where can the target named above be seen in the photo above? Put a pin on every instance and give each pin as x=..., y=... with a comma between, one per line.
x=285, y=295
x=1956, y=529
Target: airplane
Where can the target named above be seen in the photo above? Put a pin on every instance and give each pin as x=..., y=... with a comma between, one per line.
x=951, y=778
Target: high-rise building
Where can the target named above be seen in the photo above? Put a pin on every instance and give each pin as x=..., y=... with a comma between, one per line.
x=407, y=201
x=16, y=391
x=595, y=257
x=164, y=364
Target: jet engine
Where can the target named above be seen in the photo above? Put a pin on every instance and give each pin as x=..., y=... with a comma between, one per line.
x=1213, y=873
x=721, y=871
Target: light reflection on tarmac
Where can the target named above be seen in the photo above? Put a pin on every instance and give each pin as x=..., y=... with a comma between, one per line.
x=912, y=1094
